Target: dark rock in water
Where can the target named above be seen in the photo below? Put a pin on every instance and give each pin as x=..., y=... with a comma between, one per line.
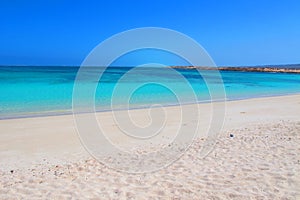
x=231, y=135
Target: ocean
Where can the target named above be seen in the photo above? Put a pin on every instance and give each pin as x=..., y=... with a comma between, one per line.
x=27, y=91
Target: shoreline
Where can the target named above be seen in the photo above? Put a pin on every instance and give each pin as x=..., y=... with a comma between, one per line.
x=70, y=112
x=59, y=127
x=44, y=158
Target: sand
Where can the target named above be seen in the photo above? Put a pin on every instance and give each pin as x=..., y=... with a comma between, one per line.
x=256, y=156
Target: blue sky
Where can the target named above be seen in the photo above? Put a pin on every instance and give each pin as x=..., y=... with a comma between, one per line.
x=234, y=32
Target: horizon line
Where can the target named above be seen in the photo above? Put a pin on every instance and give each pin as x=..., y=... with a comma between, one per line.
x=259, y=65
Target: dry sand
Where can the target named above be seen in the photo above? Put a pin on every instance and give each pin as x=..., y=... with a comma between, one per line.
x=43, y=158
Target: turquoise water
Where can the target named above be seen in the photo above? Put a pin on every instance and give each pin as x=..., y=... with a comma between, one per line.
x=30, y=91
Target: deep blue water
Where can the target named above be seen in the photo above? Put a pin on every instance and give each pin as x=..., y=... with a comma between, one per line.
x=29, y=91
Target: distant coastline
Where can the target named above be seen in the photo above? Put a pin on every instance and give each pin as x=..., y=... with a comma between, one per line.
x=271, y=68
x=285, y=68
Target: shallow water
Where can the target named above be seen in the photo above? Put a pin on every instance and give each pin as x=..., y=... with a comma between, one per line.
x=32, y=90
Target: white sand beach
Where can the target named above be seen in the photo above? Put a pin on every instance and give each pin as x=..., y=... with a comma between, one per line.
x=256, y=156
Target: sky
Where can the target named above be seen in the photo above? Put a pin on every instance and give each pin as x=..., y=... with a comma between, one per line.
x=233, y=32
